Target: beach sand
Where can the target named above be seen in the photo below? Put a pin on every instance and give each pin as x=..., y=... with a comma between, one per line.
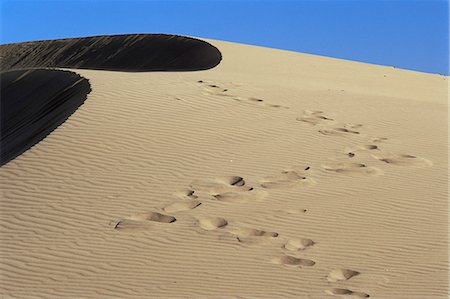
x=273, y=175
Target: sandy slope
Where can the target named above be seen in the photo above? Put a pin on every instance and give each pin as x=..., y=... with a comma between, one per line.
x=79, y=212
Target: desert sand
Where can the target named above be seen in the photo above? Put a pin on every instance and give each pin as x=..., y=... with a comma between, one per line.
x=273, y=175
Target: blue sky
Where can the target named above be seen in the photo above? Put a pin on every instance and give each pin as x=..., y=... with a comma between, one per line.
x=409, y=34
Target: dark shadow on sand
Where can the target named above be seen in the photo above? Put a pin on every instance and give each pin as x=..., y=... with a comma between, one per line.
x=131, y=53
x=33, y=104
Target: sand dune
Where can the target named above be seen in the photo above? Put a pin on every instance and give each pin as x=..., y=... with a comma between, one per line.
x=273, y=175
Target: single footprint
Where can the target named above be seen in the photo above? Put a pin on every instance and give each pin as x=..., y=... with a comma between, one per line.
x=353, y=151
x=370, y=147
x=341, y=275
x=251, y=232
x=138, y=220
x=378, y=139
x=187, y=193
x=277, y=106
x=403, y=160
x=293, y=261
x=240, y=196
x=152, y=216
x=234, y=181
x=346, y=292
x=298, y=244
x=212, y=223
x=352, y=169
x=287, y=179
x=294, y=211
x=352, y=126
x=313, y=117
x=181, y=206
x=228, y=189
x=337, y=131
x=224, y=184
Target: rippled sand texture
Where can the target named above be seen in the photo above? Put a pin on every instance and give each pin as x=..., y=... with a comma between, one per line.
x=273, y=175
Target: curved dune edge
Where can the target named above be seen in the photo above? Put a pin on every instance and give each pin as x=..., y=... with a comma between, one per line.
x=34, y=103
x=130, y=52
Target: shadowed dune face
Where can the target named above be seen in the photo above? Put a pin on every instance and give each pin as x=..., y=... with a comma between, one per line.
x=34, y=103
x=132, y=52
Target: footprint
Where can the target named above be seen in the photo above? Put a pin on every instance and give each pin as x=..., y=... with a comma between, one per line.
x=153, y=216
x=403, y=160
x=353, y=126
x=186, y=194
x=352, y=169
x=370, y=147
x=142, y=219
x=212, y=223
x=337, y=132
x=298, y=244
x=234, y=181
x=220, y=185
x=287, y=179
x=341, y=275
x=251, y=232
x=228, y=189
x=182, y=206
x=277, y=106
x=346, y=292
x=212, y=89
x=293, y=261
x=294, y=211
x=313, y=117
x=378, y=139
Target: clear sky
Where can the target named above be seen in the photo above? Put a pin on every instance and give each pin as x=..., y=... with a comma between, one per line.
x=409, y=34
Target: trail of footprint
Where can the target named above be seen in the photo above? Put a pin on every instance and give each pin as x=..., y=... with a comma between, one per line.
x=298, y=244
x=141, y=219
x=216, y=90
x=346, y=292
x=341, y=275
x=293, y=261
x=287, y=179
x=182, y=206
x=352, y=169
